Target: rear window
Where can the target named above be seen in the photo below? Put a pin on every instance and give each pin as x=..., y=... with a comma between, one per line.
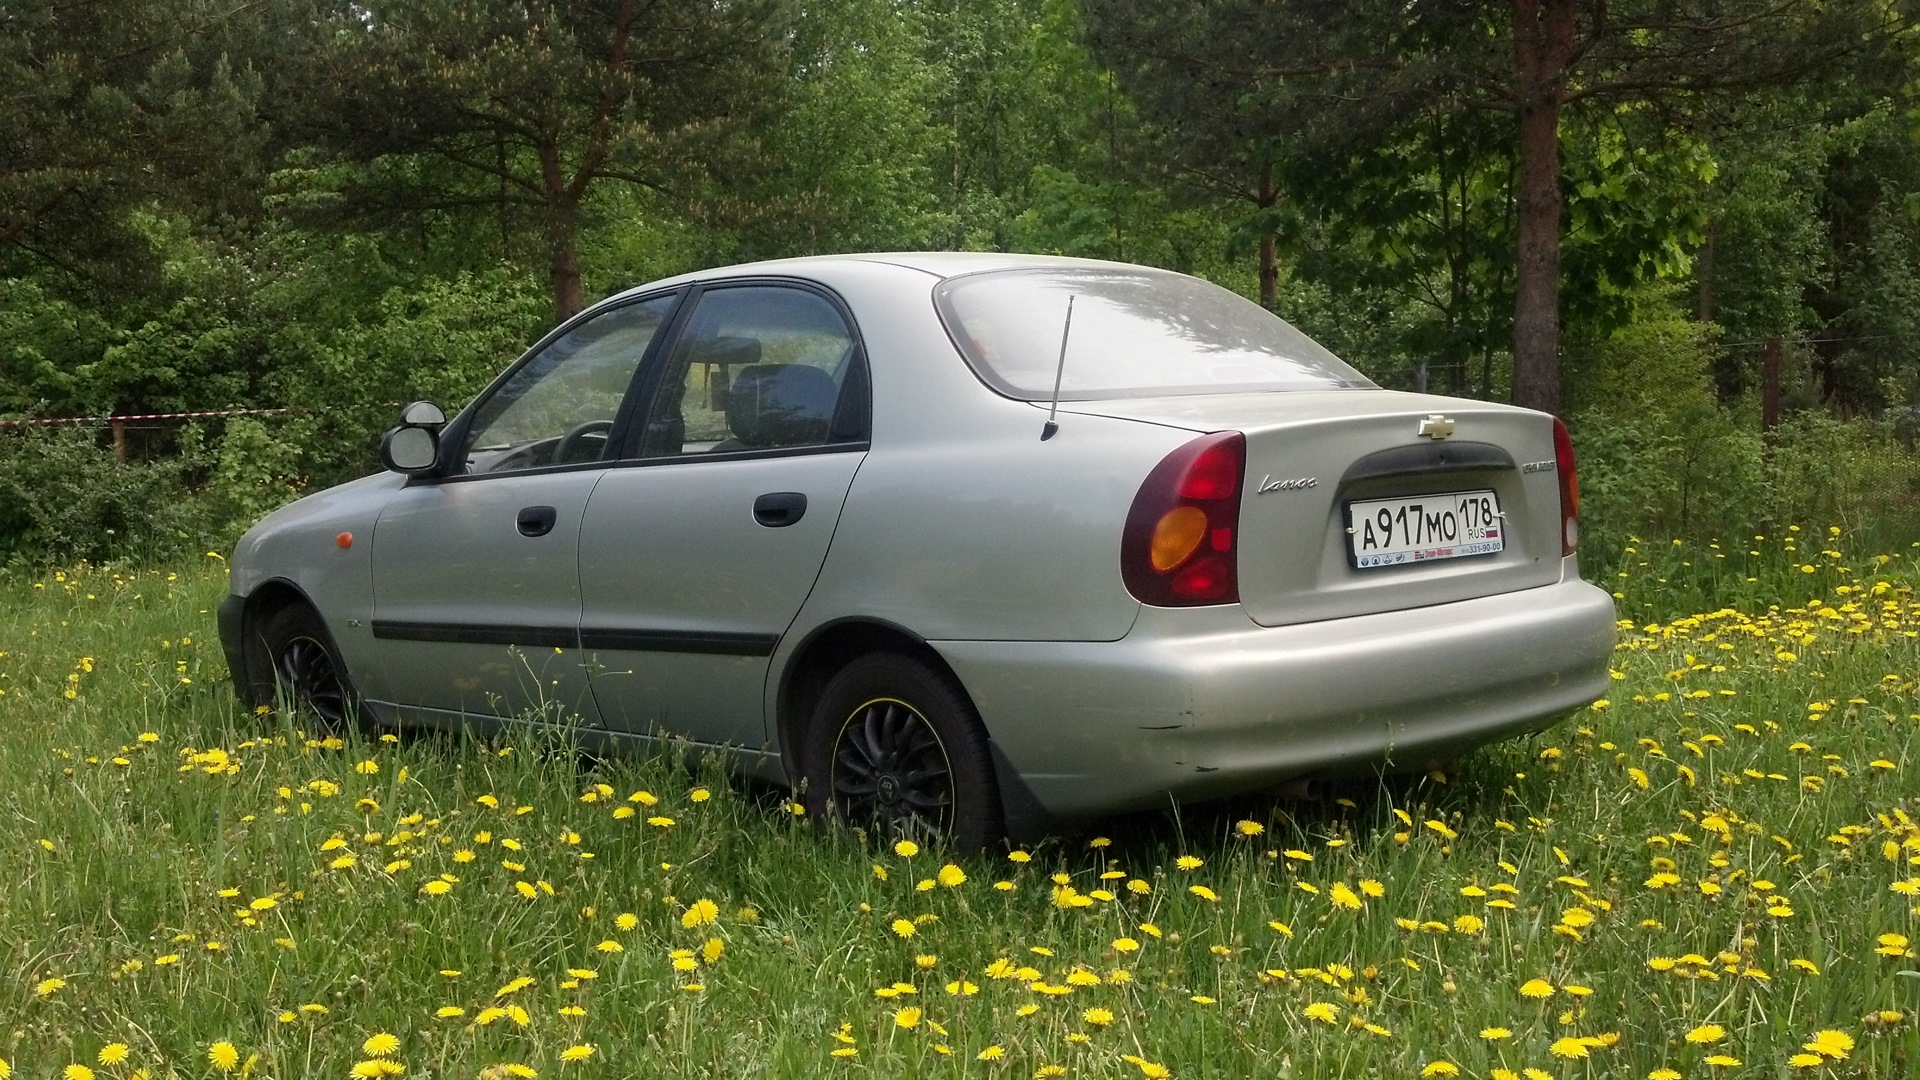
x=1135, y=333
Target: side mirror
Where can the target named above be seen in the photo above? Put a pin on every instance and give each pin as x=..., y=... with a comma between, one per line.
x=413, y=448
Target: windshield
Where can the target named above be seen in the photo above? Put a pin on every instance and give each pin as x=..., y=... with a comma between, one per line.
x=1136, y=333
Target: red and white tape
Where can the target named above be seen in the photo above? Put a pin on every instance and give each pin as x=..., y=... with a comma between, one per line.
x=138, y=416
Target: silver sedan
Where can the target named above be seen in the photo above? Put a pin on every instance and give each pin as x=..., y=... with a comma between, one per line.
x=955, y=544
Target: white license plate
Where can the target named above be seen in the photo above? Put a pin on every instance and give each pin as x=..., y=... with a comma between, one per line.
x=1452, y=525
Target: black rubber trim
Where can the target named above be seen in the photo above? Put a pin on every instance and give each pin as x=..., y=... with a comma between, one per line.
x=715, y=642
x=559, y=637
x=230, y=617
x=1447, y=457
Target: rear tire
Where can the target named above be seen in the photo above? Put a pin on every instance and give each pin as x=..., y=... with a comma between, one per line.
x=895, y=747
x=294, y=666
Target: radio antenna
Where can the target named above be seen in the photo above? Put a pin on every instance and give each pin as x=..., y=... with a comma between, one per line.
x=1050, y=428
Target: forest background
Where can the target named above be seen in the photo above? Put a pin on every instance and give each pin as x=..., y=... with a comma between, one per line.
x=321, y=209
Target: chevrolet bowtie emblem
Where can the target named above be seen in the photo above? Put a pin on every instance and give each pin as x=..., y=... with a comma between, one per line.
x=1436, y=427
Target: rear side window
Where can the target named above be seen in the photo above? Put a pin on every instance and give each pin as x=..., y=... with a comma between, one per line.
x=1136, y=333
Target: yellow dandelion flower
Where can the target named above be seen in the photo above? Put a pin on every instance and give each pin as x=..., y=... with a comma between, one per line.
x=1343, y=897
x=908, y=1017
x=224, y=1056
x=1723, y=1061
x=1188, y=862
x=952, y=876
x=380, y=1044
x=1204, y=893
x=1834, y=1044
x=1321, y=1011
x=906, y=849
x=700, y=913
x=577, y=1052
x=991, y=1053
x=449, y=1012
x=1098, y=1017
x=1440, y=1068
x=1569, y=1047
x=375, y=1068
x=49, y=987
x=903, y=927
x=1706, y=1033
x=1496, y=1033
x=1249, y=828
x=76, y=1072
x=113, y=1053
x=1536, y=988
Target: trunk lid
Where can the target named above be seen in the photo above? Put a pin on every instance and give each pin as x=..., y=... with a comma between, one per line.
x=1311, y=455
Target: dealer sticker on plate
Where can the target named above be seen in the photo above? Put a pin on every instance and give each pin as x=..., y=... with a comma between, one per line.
x=1394, y=532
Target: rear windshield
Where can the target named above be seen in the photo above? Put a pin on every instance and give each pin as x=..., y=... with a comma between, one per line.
x=1135, y=333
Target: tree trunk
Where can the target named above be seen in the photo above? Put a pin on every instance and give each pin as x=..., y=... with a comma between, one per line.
x=1269, y=262
x=563, y=266
x=1543, y=37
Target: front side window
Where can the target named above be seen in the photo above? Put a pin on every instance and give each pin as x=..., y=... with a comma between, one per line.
x=558, y=408
x=1136, y=333
x=760, y=367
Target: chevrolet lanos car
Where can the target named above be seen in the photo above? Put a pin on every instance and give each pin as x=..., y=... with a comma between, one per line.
x=954, y=543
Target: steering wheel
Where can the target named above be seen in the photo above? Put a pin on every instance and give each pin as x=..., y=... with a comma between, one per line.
x=575, y=436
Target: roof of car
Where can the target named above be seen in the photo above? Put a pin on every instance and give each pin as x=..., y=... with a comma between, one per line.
x=940, y=264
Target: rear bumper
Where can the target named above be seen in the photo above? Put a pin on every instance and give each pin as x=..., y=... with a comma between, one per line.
x=1202, y=702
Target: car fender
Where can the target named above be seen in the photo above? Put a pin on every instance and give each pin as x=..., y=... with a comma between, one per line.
x=321, y=546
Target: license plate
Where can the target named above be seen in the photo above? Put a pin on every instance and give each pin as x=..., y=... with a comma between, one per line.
x=1423, y=528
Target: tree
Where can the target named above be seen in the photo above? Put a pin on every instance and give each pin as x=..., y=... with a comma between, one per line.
x=523, y=108
x=1231, y=87
x=108, y=106
x=1241, y=83
x=1541, y=58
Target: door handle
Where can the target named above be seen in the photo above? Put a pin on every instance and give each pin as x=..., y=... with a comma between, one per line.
x=536, y=520
x=779, y=509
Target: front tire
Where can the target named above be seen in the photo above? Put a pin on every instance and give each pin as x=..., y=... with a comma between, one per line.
x=295, y=666
x=895, y=747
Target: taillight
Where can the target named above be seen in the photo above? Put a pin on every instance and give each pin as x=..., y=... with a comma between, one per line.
x=1178, y=549
x=1569, y=488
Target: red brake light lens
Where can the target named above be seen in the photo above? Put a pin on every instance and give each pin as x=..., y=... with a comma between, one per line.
x=1178, y=548
x=1569, y=488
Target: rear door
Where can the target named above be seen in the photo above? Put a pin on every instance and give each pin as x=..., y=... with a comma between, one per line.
x=476, y=578
x=696, y=556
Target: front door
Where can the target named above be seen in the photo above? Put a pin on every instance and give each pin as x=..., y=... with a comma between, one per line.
x=476, y=582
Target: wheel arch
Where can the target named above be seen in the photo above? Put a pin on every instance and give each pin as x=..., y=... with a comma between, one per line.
x=266, y=600
x=830, y=647
x=825, y=651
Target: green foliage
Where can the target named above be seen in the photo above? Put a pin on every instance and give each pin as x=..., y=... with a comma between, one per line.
x=63, y=496
x=1660, y=456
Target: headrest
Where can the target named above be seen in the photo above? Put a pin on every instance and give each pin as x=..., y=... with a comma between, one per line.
x=732, y=351
x=780, y=405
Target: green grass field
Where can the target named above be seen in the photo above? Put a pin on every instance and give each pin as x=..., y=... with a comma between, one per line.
x=1715, y=872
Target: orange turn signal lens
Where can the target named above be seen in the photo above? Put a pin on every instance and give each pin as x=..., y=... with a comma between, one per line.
x=1176, y=536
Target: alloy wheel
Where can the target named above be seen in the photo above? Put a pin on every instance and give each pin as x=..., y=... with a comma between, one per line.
x=891, y=771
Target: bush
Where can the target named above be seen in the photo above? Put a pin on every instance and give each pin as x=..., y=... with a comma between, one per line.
x=62, y=496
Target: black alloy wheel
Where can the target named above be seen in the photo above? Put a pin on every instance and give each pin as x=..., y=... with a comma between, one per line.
x=303, y=671
x=896, y=748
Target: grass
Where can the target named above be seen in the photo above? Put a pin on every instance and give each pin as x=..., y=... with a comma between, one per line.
x=1713, y=872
